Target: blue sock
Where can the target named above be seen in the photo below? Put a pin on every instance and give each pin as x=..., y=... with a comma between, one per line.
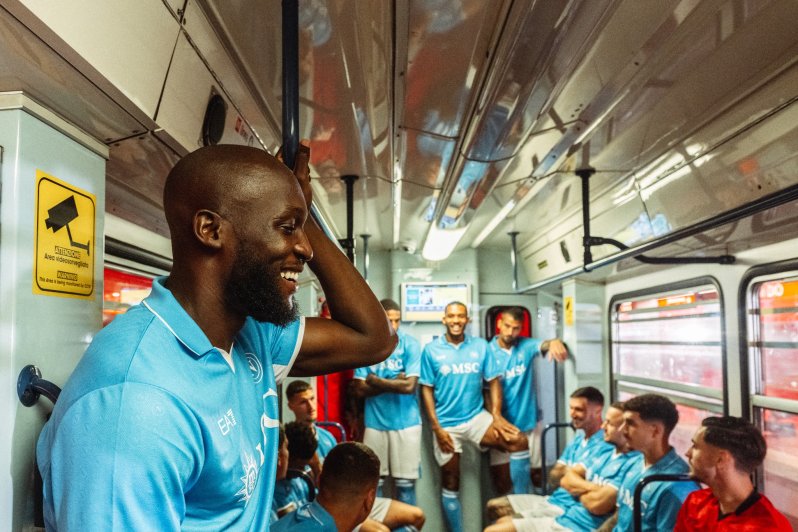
x=406, y=528
x=379, y=486
x=405, y=490
x=519, y=472
x=452, y=512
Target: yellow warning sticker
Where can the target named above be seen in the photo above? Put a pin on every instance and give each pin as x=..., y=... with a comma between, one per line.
x=569, y=310
x=63, y=262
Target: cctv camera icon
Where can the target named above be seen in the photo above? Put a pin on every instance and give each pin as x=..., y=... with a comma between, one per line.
x=60, y=216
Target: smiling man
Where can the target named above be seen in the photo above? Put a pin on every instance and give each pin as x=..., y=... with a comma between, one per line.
x=173, y=411
x=453, y=368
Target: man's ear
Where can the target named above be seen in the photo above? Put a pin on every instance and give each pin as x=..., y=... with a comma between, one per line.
x=207, y=228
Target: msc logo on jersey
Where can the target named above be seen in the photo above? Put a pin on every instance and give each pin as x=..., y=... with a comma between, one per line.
x=515, y=371
x=392, y=364
x=255, y=367
x=463, y=368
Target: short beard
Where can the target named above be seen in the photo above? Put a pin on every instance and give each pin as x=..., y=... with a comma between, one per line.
x=253, y=290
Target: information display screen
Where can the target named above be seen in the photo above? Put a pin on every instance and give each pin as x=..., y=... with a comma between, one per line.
x=427, y=301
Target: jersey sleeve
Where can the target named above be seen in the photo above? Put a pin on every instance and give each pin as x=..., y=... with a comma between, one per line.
x=284, y=345
x=427, y=377
x=412, y=358
x=137, y=466
x=491, y=369
x=568, y=454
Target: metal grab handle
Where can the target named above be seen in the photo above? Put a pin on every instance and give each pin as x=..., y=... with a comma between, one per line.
x=543, y=452
x=335, y=425
x=306, y=477
x=637, y=504
x=30, y=386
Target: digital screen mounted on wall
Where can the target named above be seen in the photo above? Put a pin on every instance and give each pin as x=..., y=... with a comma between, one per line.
x=427, y=301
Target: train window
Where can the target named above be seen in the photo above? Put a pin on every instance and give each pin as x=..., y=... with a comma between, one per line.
x=773, y=358
x=670, y=339
x=121, y=290
x=671, y=342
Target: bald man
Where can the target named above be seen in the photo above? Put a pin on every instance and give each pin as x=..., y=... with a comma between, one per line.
x=170, y=419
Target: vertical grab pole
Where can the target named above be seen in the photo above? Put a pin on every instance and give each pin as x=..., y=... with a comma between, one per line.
x=365, y=238
x=348, y=243
x=585, y=174
x=514, y=258
x=290, y=81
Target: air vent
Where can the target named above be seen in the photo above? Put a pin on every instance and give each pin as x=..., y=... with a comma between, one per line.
x=543, y=264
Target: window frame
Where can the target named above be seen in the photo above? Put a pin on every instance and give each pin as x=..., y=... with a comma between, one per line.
x=751, y=363
x=679, y=393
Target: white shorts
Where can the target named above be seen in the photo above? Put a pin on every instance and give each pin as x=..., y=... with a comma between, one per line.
x=533, y=506
x=538, y=524
x=499, y=457
x=399, y=451
x=472, y=430
x=380, y=509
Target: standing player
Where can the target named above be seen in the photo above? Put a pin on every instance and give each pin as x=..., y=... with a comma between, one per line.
x=514, y=356
x=392, y=420
x=453, y=368
x=177, y=399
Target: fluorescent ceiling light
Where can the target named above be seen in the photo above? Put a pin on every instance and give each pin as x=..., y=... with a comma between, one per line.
x=441, y=242
x=494, y=223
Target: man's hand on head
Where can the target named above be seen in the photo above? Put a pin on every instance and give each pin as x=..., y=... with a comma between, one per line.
x=302, y=169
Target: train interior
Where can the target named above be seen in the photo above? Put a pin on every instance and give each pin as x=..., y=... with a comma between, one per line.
x=626, y=171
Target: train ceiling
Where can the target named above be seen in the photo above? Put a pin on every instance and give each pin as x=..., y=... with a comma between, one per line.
x=464, y=119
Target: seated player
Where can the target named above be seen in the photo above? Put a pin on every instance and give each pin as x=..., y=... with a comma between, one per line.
x=282, y=469
x=596, y=491
x=725, y=453
x=587, y=447
x=302, y=402
x=347, y=489
x=291, y=493
x=648, y=422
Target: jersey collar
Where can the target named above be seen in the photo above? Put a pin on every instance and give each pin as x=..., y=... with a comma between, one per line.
x=166, y=308
x=443, y=341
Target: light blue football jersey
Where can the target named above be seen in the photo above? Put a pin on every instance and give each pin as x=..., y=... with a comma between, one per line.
x=310, y=518
x=584, y=451
x=661, y=501
x=290, y=490
x=326, y=442
x=394, y=411
x=198, y=439
x=456, y=372
x=519, y=402
x=609, y=470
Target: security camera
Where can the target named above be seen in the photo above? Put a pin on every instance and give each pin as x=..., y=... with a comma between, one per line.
x=408, y=246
